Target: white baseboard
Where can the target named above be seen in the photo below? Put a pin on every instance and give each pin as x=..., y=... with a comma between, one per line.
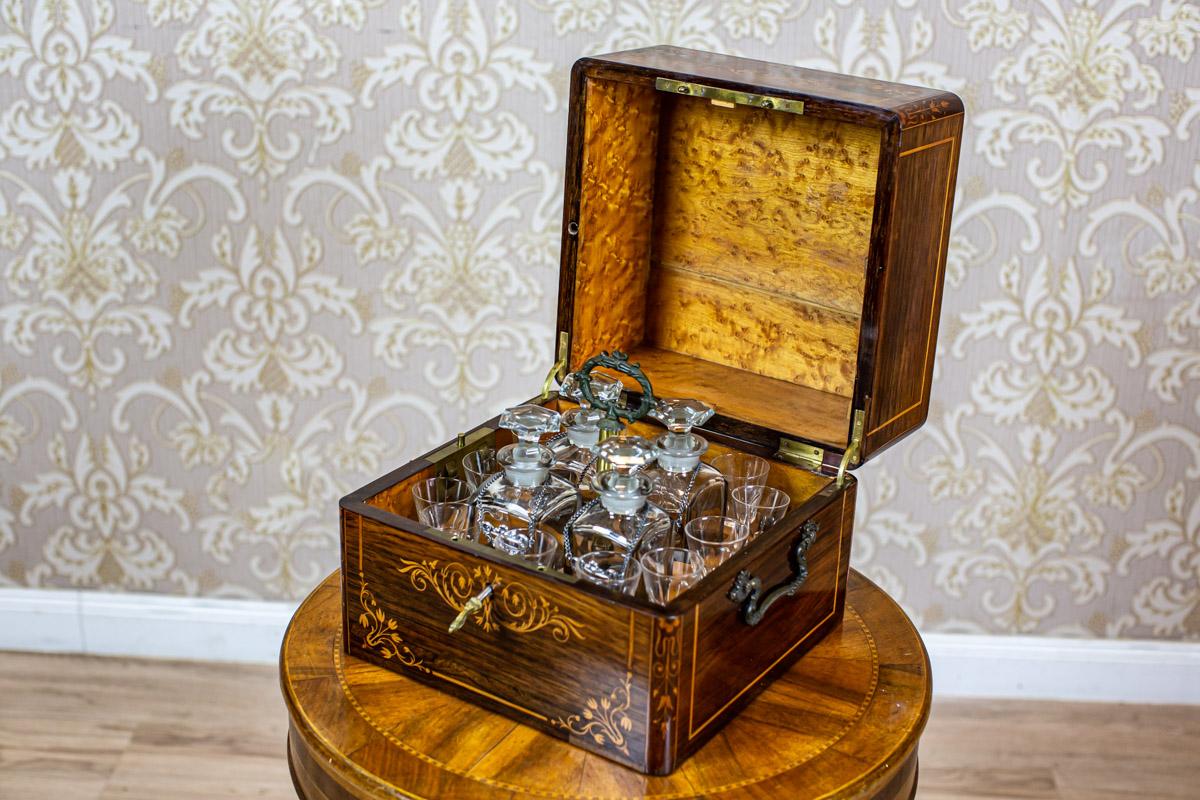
x=1037, y=668
x=1025, y=667
x=41, y=620
x=142, y=625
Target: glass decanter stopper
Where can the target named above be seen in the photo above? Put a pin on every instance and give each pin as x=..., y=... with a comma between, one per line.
x=575, y=450
x=622, y=517
x=684, y=486
x=605, y=390
x=515, y=508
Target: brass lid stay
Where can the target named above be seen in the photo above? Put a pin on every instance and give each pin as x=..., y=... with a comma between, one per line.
x=852, y=456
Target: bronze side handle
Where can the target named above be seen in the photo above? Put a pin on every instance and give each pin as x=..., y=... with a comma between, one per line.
x=747, y=589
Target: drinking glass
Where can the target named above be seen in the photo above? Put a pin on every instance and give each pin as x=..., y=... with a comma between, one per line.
x=759, y=515
x=668, y=571
x=479, y=465
x=743, y=469
x=710, y=501
x=612, y=569
x=439, y=490
x=539, y=546
x=453, y=518
x=543, y=549
x=715, y=539
x=660, y=536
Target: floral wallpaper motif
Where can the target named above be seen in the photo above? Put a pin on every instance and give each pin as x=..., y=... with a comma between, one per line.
x=254, y=253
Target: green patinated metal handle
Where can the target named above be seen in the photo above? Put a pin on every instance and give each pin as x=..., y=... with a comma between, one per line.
x=619, y=362
x=748, y=590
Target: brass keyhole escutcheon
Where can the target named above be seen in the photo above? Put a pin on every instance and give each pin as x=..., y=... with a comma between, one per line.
x=472, y=606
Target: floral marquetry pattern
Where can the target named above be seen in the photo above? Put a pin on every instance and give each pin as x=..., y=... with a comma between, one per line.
x=604, y=719
x=512, y=606
x=255, y=253
x=380, y=632
x=664, y=673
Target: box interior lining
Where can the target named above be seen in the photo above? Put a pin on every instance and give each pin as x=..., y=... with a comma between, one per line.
x=799, y=484
x=726, y=249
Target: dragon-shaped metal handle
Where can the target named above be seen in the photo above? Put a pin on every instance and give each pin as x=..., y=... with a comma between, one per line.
x=619, y=362
x=747, y=589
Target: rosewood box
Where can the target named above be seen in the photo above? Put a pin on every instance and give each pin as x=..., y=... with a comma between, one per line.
x=769, y=239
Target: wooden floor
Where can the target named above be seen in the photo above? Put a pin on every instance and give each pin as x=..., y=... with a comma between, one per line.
x=85, y=728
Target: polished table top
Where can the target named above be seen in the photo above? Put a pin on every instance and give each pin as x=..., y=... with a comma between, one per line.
x=843, y=722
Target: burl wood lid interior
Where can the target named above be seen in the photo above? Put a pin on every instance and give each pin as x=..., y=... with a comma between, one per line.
x=725, y=247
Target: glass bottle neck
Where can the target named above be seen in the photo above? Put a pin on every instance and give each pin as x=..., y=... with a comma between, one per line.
x=525, y=463
x=679, y=452
x=623, y=494
x=585, y=438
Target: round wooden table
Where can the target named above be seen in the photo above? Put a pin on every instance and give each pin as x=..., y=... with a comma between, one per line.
x=843, y=723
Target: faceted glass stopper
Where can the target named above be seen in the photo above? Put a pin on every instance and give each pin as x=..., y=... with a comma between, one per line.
x=584, y=419
x=679, y=449
x=569, y=388
x=529, y=422
x=625, y=453
x=606, y=390
x=679, y=415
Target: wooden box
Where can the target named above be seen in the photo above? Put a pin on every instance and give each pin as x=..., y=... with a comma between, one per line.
x=768, y=239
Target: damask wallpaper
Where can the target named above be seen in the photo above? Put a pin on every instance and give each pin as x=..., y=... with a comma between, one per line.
x=256, y=252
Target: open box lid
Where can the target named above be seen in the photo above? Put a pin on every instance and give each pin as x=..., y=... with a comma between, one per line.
x=769, y=239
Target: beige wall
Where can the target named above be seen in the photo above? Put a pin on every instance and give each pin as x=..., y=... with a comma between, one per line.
x=256, y=252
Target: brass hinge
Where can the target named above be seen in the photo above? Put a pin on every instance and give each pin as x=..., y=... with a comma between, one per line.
x=564, y=354
x=802, y=455
x=447, y=462
x=853, y=455
x=729, y=97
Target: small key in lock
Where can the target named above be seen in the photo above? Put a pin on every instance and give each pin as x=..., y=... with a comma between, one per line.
x=472, y=606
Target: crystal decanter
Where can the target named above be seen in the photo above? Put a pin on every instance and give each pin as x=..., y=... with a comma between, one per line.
x=513, y=504
x=575, y=452
x=575, y=449
x=621, y=518
x=684, y=486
